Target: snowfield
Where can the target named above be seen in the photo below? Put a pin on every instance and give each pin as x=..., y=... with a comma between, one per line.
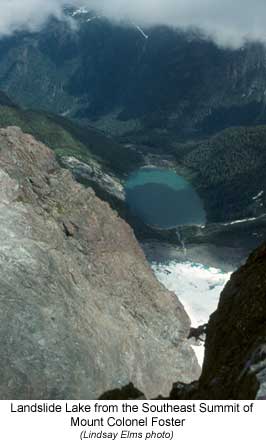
x=198, y=287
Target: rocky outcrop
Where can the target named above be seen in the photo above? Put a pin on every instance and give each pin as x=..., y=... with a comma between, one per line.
x=93, y=173
x=235, y=361
x=81, y=312
x=128, y=392
x=235, y=358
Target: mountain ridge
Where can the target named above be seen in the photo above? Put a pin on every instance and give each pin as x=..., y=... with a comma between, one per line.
x=172, y=80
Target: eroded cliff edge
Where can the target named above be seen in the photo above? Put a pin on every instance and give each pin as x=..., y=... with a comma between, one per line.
x=80, y=310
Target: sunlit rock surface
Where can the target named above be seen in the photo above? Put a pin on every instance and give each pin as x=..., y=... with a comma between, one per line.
x=81, y=312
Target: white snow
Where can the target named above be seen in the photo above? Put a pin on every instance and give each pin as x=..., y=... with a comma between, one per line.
x=66, y=113
x=199, y=352
x=258, y=196
x=238, y=221
x=198, y=287
x=79, y=11
x=141, y=31
x=93, y=18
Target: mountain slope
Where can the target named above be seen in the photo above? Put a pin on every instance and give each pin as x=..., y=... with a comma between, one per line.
x=96, y=160
x=81, y=311
x=228, y=170
x=122, y=81
x=68, y=139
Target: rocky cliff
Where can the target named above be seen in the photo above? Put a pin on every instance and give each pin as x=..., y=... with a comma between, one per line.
x=235, y=358
x=81, y=312
x=235, y=361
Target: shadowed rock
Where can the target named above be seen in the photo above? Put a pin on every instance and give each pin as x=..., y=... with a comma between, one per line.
x=235, y=357
x=198, y=333
x=235, y=362
x=128, y=392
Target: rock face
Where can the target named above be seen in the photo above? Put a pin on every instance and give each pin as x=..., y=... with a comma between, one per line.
x=235, y=361
x=80, y=310
x=235, y=358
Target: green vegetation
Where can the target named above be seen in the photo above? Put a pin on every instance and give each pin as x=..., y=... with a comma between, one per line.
x=231, y=153
x=229, y=171
x=68, y=139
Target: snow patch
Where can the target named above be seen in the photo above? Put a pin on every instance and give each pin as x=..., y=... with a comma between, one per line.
x=258, y=196
x=239, y=221
x=198, y=287
x=79, y=11
x=95, y=17
x=141, y=31
x=199, y=352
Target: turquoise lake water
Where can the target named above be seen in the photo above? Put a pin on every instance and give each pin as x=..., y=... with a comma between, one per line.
x=163, y=199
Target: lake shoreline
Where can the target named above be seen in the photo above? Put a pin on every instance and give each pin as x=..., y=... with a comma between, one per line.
x=163, y=199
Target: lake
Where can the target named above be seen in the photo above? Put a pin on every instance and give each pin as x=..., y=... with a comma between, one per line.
x=163, y=199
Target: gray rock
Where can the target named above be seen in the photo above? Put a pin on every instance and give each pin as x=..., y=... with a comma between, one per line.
x=93, y=173
x=80, y=310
